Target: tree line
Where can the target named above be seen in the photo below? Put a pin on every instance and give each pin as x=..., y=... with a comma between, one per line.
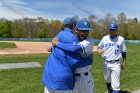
x=44, y=28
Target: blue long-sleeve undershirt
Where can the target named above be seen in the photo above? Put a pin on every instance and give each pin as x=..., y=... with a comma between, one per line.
x=124, y=54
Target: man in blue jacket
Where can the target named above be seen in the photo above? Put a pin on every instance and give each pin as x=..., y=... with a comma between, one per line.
x=83, y=79
x=59, y=70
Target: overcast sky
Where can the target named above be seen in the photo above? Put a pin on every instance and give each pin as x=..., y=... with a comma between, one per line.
x=60, y=9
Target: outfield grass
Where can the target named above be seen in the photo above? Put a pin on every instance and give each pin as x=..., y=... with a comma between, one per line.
x=7, y=45
x=29, y=80
x=21, y=81
x=23, y=58
x=131, y=76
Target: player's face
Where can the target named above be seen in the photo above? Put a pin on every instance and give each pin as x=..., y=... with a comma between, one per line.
x=113, y=32
x=82, y=34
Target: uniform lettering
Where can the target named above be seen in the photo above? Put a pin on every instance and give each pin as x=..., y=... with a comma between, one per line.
x=111, y=44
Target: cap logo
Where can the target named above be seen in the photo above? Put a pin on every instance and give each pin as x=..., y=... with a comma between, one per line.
x=86, y=24
x=112, y=25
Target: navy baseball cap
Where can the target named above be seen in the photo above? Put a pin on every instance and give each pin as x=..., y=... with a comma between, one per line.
x=69, y=20
x=83, y=25
x=113, y=26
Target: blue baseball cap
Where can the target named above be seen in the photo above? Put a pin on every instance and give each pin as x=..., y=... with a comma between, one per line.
x=69, y=20
x=83, y=25
x=113, y=26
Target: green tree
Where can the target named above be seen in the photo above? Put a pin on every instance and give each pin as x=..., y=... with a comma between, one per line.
x=56, y=26
x=16, y=29
x=123, y=25
x=42, y=33
x=5, y=30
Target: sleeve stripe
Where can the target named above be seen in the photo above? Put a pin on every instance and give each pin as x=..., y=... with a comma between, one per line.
x=83, y=48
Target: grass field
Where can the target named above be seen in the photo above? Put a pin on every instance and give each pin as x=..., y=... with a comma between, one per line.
x=29, y=80
x=7, y=45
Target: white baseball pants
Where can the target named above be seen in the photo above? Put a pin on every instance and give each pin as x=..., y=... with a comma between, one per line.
x=112, y=73
x=84, y=84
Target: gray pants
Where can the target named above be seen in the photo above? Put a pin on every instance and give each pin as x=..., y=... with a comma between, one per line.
x=48, y=90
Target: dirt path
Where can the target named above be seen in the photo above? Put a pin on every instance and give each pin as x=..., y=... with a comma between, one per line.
x=29, y=48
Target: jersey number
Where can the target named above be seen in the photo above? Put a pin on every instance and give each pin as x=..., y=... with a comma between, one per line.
x=116, y=51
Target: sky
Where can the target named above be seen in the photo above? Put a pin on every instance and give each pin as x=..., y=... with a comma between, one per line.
x=60, y=9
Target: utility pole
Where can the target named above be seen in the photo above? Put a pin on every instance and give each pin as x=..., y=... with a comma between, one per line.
x=91, y=16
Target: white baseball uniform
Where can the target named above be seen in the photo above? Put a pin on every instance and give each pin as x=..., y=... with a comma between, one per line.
x=84, y=83
x=113, y=49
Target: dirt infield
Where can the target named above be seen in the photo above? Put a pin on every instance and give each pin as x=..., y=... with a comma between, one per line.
x=29, y=48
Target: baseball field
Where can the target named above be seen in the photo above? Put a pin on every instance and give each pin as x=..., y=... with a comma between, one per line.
x=28, y=80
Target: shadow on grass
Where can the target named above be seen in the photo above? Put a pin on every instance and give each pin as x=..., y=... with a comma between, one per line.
x=123, y=91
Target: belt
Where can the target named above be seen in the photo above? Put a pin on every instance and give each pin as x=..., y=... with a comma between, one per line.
x=78, y=74
x=112, y=60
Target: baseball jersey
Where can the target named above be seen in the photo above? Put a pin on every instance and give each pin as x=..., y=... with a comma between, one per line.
x=87, y=47
x=112, y=47
x=58, y=73
x=84, y=48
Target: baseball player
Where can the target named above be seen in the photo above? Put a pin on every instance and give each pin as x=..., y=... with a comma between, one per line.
x=112, y=47
x=59, y=69
x=83, y=78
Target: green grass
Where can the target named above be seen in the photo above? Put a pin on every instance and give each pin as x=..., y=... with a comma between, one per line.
x=7, y=45
x=21, y=81
x=131, y=76
x=23, y=58
x=29, y=80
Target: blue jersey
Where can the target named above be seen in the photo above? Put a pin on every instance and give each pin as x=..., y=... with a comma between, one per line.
x=59, y=72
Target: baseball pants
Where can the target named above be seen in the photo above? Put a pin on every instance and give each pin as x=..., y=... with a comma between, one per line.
x=112, y=74
x=84, y=83
x=48, y=90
